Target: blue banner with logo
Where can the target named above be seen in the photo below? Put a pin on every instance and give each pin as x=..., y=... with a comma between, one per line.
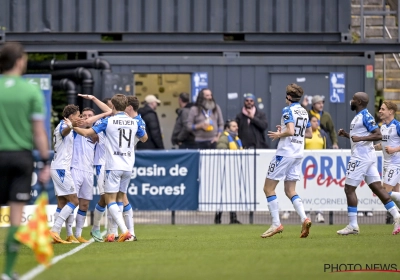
x=36, y=187
x=165, y=180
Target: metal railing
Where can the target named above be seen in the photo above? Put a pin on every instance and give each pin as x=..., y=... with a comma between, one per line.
x=382, y=13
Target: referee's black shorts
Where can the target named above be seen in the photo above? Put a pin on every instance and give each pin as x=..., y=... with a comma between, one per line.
x=16, y=168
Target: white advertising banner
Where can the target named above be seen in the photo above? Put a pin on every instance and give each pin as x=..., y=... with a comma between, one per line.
x=28, y=213
x=227, y=184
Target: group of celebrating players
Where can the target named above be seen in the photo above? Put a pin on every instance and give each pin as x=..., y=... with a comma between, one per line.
x=286, y=165
x=88, y=145
x=108, y=148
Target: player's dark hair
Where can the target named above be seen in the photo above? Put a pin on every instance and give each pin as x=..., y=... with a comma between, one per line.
x=390, y=105
x=9, y=54
x=184, y=96
x=105, y=100
x=295, y=91
x=119, y=101
x=89, y=109
x=70, y=110
x=134, y=102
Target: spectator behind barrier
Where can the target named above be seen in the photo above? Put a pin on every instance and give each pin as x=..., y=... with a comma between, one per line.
x=153, y=129
x=205, y=120
x=324, y=118
x=229, y=140
x=252, y=124
x=181, y=136
x=319, y=136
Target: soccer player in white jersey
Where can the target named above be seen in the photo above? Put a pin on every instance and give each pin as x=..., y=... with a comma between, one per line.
x=60, y=170
x=99, y=165
x=120, y=131
x=286, y=164
x=363, y=162
x=390, y=146
x=131, y=110
x=82, y=168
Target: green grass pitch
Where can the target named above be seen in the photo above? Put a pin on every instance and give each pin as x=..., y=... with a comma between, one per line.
x=223, y=252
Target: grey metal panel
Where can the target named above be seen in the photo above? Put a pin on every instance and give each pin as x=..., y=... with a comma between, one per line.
x=170, y=16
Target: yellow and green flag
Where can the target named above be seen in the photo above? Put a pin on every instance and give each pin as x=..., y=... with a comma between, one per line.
x=35, y=234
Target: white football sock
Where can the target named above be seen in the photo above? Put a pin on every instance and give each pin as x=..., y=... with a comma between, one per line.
x=391, y=207
x=117, y=216
x=58, y=210
x=65, y=212
x=98, y=214
x=128, y=217
x=68, y=224
x=299, y=207
x=273, y=207
x=80, y=222
x=112, y=227
x=352, y=213
x=395, y=196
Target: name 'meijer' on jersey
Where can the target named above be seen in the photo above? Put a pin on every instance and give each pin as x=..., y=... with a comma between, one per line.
x=83, y=153
x=120, y=131
x=63, y=147
x=293, y=146
x=362, y=125
x=391, y=138
x=100, y=152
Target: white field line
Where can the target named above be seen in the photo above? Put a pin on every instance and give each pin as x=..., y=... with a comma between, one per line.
x=40, y=268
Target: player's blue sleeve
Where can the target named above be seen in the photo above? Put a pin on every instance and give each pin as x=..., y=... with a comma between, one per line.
x=369, y=122
x=398, y=128
x=140, y=132
x=62, y=127
x=101, y=127
x=287, y=115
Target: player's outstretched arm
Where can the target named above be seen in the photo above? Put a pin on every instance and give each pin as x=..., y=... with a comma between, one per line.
x=374, y=136
x=96, y=101
x=274, y=135
x=86, y=132
x=92, y=120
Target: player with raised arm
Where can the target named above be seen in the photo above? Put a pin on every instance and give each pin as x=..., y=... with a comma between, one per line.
x=363, y=162
x=120, y=131
x=99, y=165
x=286, y=164
x=82, y=167
x=64, y=188
x=390, y=146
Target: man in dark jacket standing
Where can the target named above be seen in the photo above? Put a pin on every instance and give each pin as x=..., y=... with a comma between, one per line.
x=153, y=130
x=181, y=136
x=252, y=124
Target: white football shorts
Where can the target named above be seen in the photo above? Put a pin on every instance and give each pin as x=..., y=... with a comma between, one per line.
x=117, y=181
x=359, y=170
x=83, y=182
x=63, y=182
x=100, y=178
x=391, y=174
x=284, y=168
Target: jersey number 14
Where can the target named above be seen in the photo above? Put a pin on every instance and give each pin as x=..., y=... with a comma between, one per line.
x=123, y=136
